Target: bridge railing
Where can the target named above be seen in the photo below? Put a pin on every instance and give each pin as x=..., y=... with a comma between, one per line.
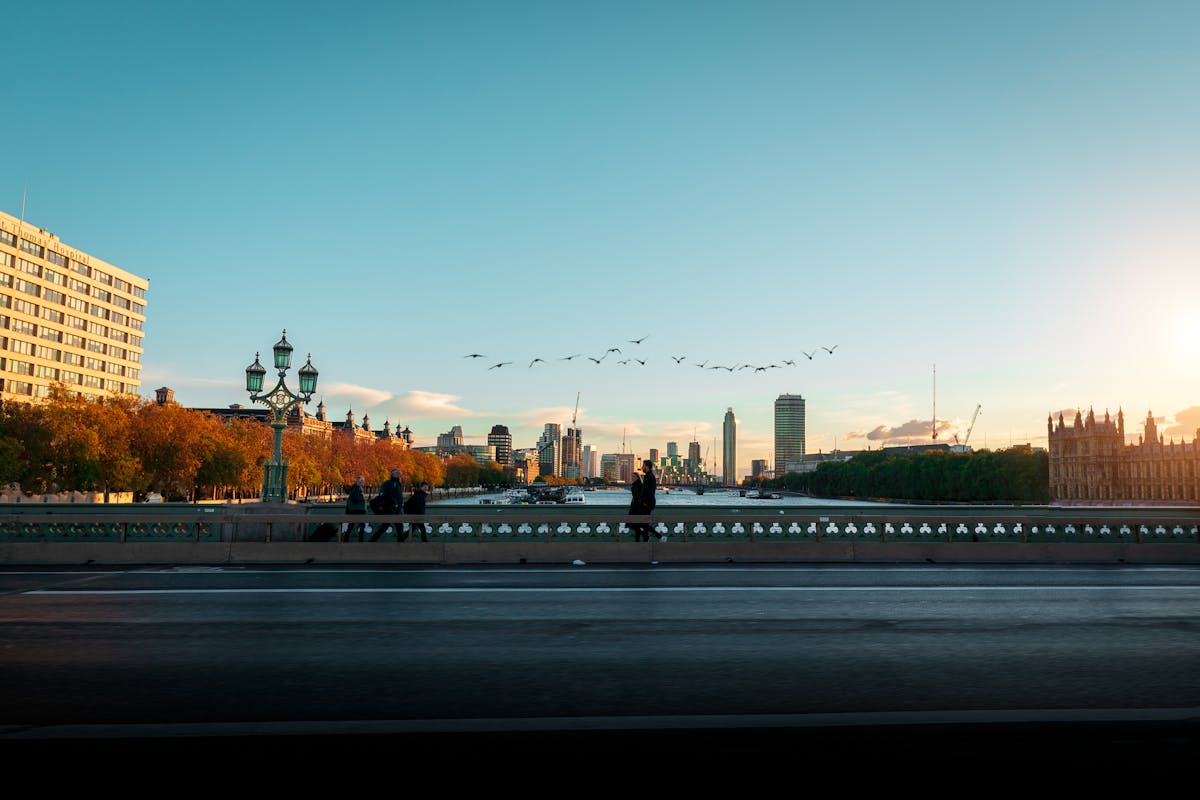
x=529, y=524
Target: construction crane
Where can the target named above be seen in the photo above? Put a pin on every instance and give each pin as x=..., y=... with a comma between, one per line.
x=971, y=427
x=576, y=414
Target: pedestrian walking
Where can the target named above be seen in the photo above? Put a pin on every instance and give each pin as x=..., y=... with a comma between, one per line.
x=415, y=504
x=356, y=503
x=648, y=501
x=641, y=531
x=389, y=501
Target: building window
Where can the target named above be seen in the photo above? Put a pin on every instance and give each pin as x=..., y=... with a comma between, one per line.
x=5, y=301
x=103, y=277
x=53, y=296
x=113, y=386
x=20, y=367
x=73, y=340
x=93, y=381
x=76, y=322
x=95, y=346
x=76, y=285
x=48, y=353
x=115, y=369
x=21, y=326
x=136, y=324
x=32, y=249
x=50, y=276
x=27, y=287
x=138, y=308
x=139, y=292
x=4, y=321
x=132, y=355
x=21, y=346
x=136, y=341
x=70, y=377
x=76, y=303
x=132, y=373
x=25, y=307
x=72, y=358
x=99, y=311
x=56, y=258
x=41, y=390
x=82, y=269
x=29, y=267
x=120, y=302
x=18, y=387
x=52, y=315
x=7, y=261
x=94, y=363
x=97, y=328
x=8, y=238
x=51, y=335
x=100, y=294
x=119, y=335
x=120, y=285
x=47, y=372
x=117, y=317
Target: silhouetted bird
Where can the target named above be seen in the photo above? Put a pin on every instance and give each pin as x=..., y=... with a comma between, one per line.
x=701, y=365
x=792, y=363
x=623, y=361
x=501, y=364
x=531, y=363
x=828, y=349
x=611, y=350
x=809, y=355
x=568, y=358
x=643, y=363
x=475, y=355
x=678, y=358
x=637, y=341
x=597, y=360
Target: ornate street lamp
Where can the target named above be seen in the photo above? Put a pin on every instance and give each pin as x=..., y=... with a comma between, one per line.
x=280, y=400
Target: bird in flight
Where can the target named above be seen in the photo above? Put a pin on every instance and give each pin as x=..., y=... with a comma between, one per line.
x=623, y=361
x=568, y=358
x=536, y=360
x=611, y=350
x=637, y=341
x=597, y=360
x=760, y=369
x=640, y=361
x=677, y=359
x=475, y=355
x=809, y=355
x=701, y=365
x=828, y=349
x=791, y=363
x=501, y=364
x=721, y=366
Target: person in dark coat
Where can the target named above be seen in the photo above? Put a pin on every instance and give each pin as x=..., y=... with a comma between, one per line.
x=415, y=504
x=391, y=495
x=356, y=503
x=641, y=531
x=648, y=501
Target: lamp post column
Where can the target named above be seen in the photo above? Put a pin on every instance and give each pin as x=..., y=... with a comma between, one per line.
x=280, y=400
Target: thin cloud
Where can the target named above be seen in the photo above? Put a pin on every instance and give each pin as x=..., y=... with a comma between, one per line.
x=417, y=404
x=1184, y=425
x=362, y=396
x=912, y=432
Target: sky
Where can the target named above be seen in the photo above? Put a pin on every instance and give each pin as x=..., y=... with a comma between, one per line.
x=972, y=205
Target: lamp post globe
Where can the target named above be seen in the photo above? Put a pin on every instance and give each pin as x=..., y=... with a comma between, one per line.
x=280, y=400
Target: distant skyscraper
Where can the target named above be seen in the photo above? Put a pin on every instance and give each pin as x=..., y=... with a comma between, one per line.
x=654, y=456
x=572, y=454
x=672, y=449
x=729, y=450
x=502, y=440
x=789, y=433
x=451, y=441
x=550, y=449
x=590, y=457
x=694, y=457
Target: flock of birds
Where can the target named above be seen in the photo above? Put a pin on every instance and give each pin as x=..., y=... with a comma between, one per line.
x=677, y=359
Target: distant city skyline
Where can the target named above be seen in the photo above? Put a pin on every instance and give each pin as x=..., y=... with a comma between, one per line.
x=662, y=210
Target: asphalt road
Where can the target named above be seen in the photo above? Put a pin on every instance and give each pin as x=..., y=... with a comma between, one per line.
x=821, y=660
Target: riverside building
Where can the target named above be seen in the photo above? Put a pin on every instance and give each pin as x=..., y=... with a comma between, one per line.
x=789, y=434
x=65, y=316
x=729, y=450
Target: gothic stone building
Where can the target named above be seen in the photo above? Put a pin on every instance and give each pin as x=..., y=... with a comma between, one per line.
x=1090, y=461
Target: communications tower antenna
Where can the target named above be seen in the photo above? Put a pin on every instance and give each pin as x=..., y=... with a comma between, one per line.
x=935, y=401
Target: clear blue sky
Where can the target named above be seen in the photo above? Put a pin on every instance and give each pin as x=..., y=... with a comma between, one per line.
x=1009, y=191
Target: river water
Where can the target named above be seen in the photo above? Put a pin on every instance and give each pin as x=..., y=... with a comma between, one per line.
x=723, y=498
